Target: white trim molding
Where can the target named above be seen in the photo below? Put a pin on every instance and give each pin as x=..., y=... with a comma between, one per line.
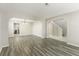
x=73, y=44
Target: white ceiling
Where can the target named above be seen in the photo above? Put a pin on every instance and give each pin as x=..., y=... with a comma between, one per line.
x=39, y=10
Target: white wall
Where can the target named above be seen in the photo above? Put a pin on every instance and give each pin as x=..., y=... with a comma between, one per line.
x=72, y=27
x=4, y=30
x=37, y=28
x=10, y=28
x=0, y=33
x=25, y=28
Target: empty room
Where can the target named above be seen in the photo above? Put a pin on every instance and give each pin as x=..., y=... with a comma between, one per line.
x=39, y=29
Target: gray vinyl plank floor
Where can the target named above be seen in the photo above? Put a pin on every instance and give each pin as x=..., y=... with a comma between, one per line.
x=35, y=46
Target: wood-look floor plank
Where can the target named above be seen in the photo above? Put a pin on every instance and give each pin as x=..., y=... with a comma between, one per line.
x=36, y=46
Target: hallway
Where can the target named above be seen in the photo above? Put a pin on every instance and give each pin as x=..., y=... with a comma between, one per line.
x=35, y=46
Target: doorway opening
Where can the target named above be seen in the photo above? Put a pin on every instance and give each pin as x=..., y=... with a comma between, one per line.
x=57, y=29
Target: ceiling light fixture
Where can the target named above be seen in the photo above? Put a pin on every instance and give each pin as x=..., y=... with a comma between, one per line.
x=46, y=4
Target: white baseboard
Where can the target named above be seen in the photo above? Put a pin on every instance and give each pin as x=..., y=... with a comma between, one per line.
x=3, y=46
x=6, y=45
x=56, y=38
x=73, y=44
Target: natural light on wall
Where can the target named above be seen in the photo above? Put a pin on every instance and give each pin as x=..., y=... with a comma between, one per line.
x=25, y=26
